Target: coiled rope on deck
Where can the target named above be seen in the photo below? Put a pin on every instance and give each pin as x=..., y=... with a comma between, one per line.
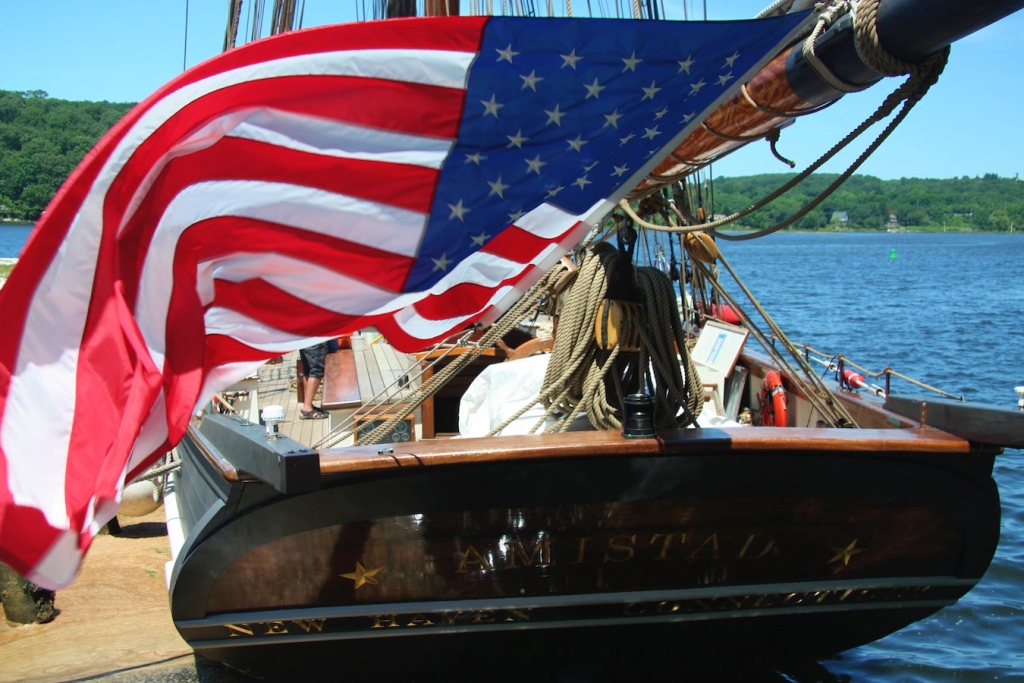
x=584, y=377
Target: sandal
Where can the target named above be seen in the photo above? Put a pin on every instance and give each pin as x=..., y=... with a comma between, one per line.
x=312, y=415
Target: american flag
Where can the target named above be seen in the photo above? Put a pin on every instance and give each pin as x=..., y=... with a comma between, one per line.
x=414, y=175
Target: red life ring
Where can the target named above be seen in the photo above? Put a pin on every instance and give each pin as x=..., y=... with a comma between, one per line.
x=774, y=408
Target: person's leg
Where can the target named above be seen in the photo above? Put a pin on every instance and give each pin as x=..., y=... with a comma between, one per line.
x=310, y=386
x=313, y=359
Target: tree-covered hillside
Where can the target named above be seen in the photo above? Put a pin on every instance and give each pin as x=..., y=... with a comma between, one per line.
x=41, y=142
x=867, y=203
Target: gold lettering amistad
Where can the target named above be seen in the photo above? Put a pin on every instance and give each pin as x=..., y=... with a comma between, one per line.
x=541, y=553
x=769, y=543
x=709, y=547
x=472, y=560
x=618, y=551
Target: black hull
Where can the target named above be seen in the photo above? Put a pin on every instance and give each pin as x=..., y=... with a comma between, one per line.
x=693, y=548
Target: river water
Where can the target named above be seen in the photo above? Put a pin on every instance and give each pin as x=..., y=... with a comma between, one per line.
x=946, y=309
x=12, y=238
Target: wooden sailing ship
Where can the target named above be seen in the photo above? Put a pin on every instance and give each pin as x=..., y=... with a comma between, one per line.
x=645, y=547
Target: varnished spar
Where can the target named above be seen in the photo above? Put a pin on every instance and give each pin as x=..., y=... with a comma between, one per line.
x=788, y=86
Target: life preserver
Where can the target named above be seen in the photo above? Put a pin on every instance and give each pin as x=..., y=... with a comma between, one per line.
x=774, y=408
x=853, y=380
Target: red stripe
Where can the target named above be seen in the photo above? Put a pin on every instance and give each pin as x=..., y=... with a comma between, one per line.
x=26, y=534
x=407, y=187
x=433, y=33
x=219, y=237
x=515, y=244
x=115, y=387
x=278, y=309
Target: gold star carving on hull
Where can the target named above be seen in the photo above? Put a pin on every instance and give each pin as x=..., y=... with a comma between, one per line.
x=844, y=554
x=363, y=576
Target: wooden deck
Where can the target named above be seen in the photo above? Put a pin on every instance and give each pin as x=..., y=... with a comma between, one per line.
x=276, y=387
x=367, y=380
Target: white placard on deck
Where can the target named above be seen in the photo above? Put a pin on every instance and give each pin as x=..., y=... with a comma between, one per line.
x=719, y=346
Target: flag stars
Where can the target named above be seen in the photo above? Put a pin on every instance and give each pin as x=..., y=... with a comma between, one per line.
x=554, y=116
x=534, y=165
x=531, y=81
x=475, y=158
x=685, y=64
x=594, y=89
x=481, y=239
x=507, y=54
x=588, y=169
x=631, y=63
x=688, y=117
x=582, y=182
x=517, y=140
x=555, y=191
x=730, y=60
x=577, y=143
x=659, y=114
x=651, y=133
x=458, y=211
x=570, y=59
x=624, y=141
x=695, y=87
x=620, y=171
x=441, y=263
x=513, y=217
x=722, y=80
x=497, y=188
x=650, y=92
x=613, y=118
x=491, y=106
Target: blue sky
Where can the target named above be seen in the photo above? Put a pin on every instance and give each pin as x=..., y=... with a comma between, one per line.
x=122, y=50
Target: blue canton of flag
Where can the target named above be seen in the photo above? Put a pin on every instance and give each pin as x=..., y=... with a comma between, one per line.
x=568, y=114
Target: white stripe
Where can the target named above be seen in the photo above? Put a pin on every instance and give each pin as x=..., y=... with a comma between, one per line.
x=40, y=430
x=343, y=140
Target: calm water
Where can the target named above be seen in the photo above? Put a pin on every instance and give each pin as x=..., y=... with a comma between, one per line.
x=948, y=311
x=12, y=238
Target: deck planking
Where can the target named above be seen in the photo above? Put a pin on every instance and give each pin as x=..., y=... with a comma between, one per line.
x=276, y=388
